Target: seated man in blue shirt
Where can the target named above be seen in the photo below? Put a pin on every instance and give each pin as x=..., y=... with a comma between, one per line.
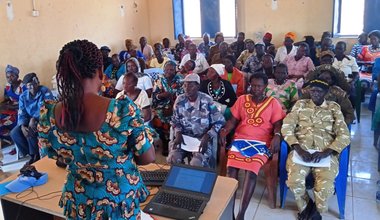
x=31, y=100
x=195, y=115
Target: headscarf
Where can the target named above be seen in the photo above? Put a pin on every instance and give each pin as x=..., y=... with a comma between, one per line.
x=12, y=69
x=136, y=63
x=268, y=35
x=219, y=68
x=291, y=35
x=123, y=56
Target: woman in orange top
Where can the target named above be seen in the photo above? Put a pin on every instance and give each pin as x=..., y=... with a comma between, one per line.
x=233, y=75
x=371, y=52
x=257, y=120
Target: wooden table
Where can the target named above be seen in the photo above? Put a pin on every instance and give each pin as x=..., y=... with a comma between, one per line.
x=220, y=205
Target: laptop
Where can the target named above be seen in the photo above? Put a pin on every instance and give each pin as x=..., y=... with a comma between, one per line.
x=185, y=193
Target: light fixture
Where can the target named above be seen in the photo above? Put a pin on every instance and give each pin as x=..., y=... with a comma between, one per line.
x=35, y=12
x=274, y=5
x=10, y=14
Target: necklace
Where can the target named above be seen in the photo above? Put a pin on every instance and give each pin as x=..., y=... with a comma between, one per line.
x=218, y=93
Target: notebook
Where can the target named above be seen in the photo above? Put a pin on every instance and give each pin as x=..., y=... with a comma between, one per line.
x=185, y=193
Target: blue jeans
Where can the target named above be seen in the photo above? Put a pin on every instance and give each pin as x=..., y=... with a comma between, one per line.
x=26, y=145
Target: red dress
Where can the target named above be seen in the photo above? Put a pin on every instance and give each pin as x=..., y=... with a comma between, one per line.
x=255, y=123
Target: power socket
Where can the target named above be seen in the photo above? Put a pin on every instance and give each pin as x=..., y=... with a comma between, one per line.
x=35, y=13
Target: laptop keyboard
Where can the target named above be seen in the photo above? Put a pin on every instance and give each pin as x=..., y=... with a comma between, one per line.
x=179, y=201
x=154, y=178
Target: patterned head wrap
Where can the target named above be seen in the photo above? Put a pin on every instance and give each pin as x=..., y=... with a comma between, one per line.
x=12, y=69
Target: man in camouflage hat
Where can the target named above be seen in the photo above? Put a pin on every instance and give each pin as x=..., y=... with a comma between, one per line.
x=336, y=81
x=314, y=124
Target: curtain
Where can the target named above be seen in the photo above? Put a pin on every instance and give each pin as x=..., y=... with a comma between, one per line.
x=371, y=15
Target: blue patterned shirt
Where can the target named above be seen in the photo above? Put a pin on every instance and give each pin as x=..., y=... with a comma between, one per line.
x=198, y=118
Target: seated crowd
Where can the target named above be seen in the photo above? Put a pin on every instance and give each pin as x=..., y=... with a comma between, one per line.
x=239, y=100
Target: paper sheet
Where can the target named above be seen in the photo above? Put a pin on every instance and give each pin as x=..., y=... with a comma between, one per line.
x=145, y=216
x=325, y=162
x=191, y=144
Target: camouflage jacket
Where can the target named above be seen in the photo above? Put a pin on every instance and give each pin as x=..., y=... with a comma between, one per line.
x=339, y=96
x=316, y=127
x=195, y=120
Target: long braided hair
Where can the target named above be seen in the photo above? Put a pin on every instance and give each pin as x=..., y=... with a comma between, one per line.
x=78, y=60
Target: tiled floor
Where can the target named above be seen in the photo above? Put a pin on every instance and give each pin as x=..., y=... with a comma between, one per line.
x=361, y=188
x=361, y=184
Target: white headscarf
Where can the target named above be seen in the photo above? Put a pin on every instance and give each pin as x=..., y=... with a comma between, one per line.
x=219, y=68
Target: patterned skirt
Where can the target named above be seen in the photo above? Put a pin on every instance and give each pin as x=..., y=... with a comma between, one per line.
x=253, y=164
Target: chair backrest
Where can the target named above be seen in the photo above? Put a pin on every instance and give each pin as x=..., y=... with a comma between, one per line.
x=376, y=69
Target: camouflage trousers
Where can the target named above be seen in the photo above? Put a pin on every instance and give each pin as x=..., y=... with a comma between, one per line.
x=324, y=178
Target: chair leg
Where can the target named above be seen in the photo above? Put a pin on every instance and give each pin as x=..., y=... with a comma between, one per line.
x=283, y=173
x=271, y=175
x=341, y=181
x=358, y=102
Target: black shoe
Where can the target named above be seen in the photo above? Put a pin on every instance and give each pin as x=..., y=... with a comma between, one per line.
x=302, y=215
x=305, y=213
x=314, y=214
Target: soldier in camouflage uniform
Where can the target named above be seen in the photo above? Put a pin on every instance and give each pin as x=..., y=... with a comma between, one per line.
x=314, y=124
x=340, y=81
x=330, y=75
x=195, y=115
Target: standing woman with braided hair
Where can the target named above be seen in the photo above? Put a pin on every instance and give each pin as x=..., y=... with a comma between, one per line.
x=100, y=139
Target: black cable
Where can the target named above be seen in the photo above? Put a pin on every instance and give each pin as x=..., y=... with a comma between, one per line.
x=162, y=166
x=37, y=197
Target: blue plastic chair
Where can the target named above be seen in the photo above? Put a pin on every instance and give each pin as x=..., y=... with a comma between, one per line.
x=340, y=180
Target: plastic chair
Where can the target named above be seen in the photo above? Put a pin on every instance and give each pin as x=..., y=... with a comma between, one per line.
x=340, y=180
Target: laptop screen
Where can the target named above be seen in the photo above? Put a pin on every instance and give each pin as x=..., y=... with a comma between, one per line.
x=201, y=181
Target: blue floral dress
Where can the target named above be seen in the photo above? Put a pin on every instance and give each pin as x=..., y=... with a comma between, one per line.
x=103, y=180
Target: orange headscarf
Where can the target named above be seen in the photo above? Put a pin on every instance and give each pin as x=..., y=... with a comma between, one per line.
x=291, y=35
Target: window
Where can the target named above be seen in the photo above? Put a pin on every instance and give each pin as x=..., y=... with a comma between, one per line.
x=228, y=20
x=194, y=17
x=348, y=17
